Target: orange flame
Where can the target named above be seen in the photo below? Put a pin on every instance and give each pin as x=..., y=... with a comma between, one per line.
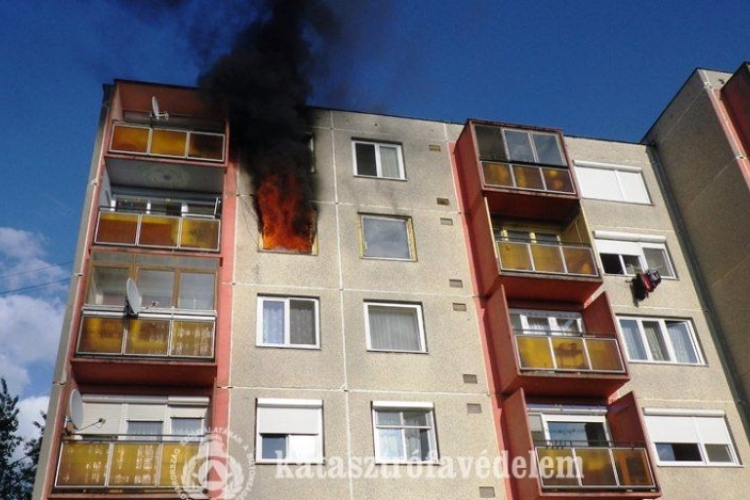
x=287, y=224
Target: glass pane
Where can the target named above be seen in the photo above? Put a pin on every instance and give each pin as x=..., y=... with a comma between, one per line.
x=130, y=139
x=273, y=446
x=632, y=467
x=718, y=453
x=196, y=291
x=604, y=355
x=579, y=261
x=83, y=464
x=206, y=146
x=558, y=180
x=655, y=341
x=147, y=337
x=611, y=263
x=416, y=418
x=156, y=287
x=417, y=444
x=175, y=457
x=515, y=321
x=303, y=448
x=519, y=146
x=117, y=228
x=192, y=338
x=577, y=433
x=164, y=207
x=134, y=464
x=569, y=353
x=632, y=264
x=528, y=177
x=656, y=258
x=389, y=162
x=273, y=321
x=534, y=352
x=388, y=417
x=550, y=470
x=394, y=328
x=101, y=335
x=107, y=287
x=302, y=322
x=596, y=467
x=192, y=427
x=202, y=234
x=159, y=231
x=366, y=159
x=490, y=142
x=145, y=430
x=386, y=238
x=547, y=258
x=633, y=342
x=497, y=174
x=537, y=324
x=390, y=444
x=514, y=256
x=682, y=342
x=168, y=142
x=548, y=149
x=678, y=452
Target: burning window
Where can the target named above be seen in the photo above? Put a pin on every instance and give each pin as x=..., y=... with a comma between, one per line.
x=287, y=220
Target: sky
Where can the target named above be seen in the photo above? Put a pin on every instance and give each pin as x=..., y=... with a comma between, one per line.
x=602, y=69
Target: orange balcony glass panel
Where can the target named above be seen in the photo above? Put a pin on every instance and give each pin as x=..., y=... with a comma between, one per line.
x=515, y=256
x=596, y=467
x=199, y=234
x=148, y=337
x=168, y=142
x=134, y=464
x=632, y=467
x=558, y=180
x=534, y=352
x=101, y=335
x=159, y=231
x=118, y=228
x=83, y=464
x=569, y=353
x=192, y=338
x=206, y=146
x=174, y=458
x=130, y=139
x=557, y=467
x=528, y=177
x=497, y=174
x=579, y=260
x=547, y=259
x=604, y=355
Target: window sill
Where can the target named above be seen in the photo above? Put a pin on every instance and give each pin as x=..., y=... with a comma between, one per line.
x=393, y=351
x=376, y=177
x=280, y=346
x=701, y=465
x=407, y=462
x=667, y=363
x=267, y=461
x=395, y=259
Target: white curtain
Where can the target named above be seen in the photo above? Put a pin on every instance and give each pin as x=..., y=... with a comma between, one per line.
x=389, y=161
x=302, y=322
x=681, y=343
x=273, y=322
x=394, y=328
x=633, y=341
x=655, y=341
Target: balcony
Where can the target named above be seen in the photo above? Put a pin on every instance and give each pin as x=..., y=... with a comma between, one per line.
x=129, y=464
x=168, y=143
x=119, y=350
x=527, y=177
x=157, y=231
x=563, y=353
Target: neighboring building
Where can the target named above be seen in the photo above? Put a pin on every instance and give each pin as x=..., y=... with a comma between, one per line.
x=467, y=300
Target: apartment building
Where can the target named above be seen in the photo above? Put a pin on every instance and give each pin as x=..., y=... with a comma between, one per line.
x=465, y=303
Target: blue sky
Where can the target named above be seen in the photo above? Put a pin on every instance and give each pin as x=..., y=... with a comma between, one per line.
x=601, y=69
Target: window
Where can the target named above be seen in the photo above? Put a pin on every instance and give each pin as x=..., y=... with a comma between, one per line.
x=546, y=322
x=603, y=181
x=394, y=327
x=517, y=145
x=404, y=432
x=660, y=340
x=288, y=322
x=373, y=159
x=701, y=438
x=289, y=430
x=386, y=237
x=633, y=254
x=558, y=430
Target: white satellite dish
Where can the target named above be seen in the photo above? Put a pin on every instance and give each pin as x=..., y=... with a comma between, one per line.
x=75, y=409
x=132, y=298
x=156, y=112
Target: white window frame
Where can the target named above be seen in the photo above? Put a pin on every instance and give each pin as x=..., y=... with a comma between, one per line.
x=405, y=406
x=420, y=325
x=633, y=244
x=378, y=161
x=665, y=338
x=408, y=227
x=287, y=324
x=546, y=418
x=617, y=171
x=289, y=404
x=552, y=320
x=534, y=152
x=656, y=418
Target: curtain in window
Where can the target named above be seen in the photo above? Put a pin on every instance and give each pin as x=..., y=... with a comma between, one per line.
x=301, y=322
x=389, y=444
x=633, y=341
x=389, y=161
x=394, y=328
x=655, y=341
x=273, y=322
x=540, y=325
x=681, y=342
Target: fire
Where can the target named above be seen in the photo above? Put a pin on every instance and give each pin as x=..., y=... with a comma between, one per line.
x=287, y=223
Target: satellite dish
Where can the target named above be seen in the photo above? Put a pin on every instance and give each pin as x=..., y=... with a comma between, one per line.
x=155, y=111
x=132, y=298
x=75, y=409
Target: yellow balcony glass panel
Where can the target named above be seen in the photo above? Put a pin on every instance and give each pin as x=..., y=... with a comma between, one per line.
x=192, y=338
x=596, y=467
x=604, y=355
x=569, y=353
x=200, y=234
x=117, y=228
x=534, y=352
x=83, y=464
x=175, y=457
x=557, y=467
x=130, y=139
x=579, y=261
x=168, y=142
x=206, y=147
x=632, y=467
x=147, y=337
x=101, y=335
x=528, y=177
x=497, y=174
x=558, y=180
x=514, y=256
x=547, y=258
x=134, y=464
x=159, y=231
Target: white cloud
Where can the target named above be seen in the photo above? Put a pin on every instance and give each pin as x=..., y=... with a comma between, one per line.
x=19, y=244
x=29, y=412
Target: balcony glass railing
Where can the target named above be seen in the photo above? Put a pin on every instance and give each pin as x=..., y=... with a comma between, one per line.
x=132, y=462
x=527, y=177
x=170, y=143
x=565, y=352
x=548, y=258
x=566, y=466
x=172, y=338
x=157, y=231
